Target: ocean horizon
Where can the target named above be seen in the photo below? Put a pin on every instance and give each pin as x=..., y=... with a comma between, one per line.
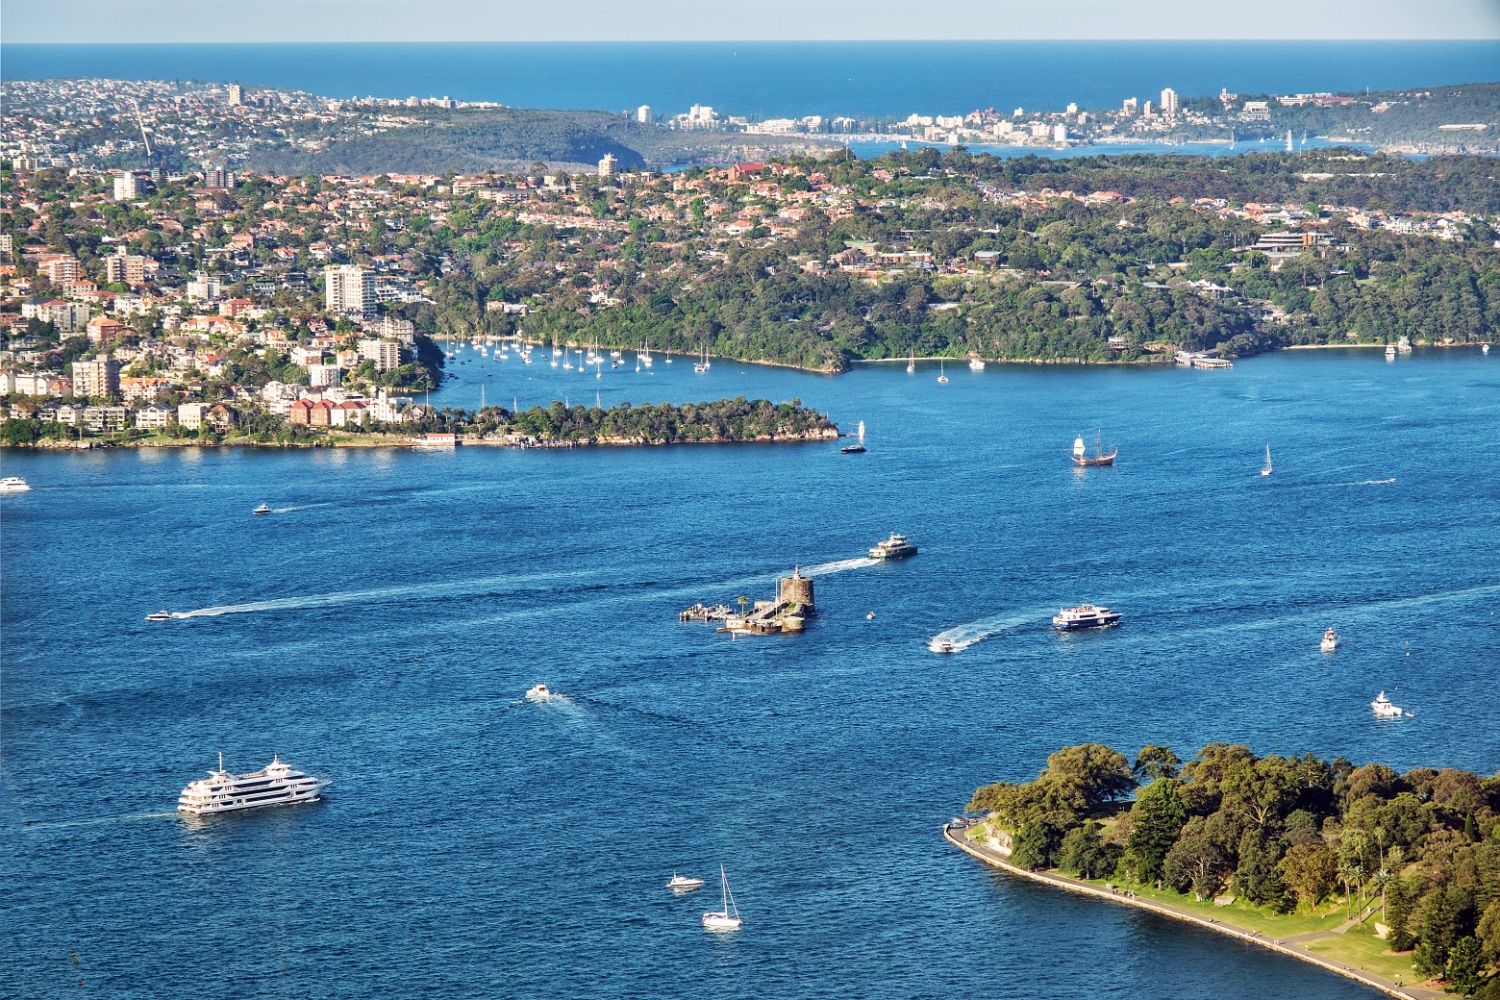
x=773, y=79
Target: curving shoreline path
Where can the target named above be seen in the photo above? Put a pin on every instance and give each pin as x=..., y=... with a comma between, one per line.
x=1286, y=946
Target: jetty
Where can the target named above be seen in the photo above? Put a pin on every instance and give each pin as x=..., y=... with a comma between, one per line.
x=701, y=612
x=1202, y=359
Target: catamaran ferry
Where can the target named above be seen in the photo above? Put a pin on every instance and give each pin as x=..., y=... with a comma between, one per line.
x=276, y=784
x=895, y=547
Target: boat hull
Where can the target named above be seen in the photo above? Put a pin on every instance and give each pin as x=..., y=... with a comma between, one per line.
x=1105, y=621
x=721, y=922
x=294, y=796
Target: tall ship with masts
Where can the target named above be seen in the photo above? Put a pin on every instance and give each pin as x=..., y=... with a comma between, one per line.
x=1082, y=458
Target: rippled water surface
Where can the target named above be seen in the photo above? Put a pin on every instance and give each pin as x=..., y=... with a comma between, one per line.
x=381, y=628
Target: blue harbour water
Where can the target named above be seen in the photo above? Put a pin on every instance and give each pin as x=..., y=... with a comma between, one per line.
x=381, y=628
x=770, y=79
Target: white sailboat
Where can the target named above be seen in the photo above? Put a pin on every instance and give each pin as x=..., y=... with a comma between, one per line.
x=911, y=366
x=727, y=919
x=942, y=372
x=1267, y=470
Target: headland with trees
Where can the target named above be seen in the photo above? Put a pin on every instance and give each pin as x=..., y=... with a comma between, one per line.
x=1394, y=874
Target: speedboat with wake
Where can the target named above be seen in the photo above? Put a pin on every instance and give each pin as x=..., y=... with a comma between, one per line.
x=159, y=616
x=539, y=693
x=264, y=508
x=1330, y=641
x=14, y=484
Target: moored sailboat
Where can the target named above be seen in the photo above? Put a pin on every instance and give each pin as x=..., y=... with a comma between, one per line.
x=727, y=919
x=1267, y=470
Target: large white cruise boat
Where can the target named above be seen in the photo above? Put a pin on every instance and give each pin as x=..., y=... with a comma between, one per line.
x=276, y=784
x=1084, y=616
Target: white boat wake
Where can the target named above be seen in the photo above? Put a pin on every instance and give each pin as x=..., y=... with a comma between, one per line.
x=840, y=566
x=961, y=637
x=63, y=824
x=416, y=590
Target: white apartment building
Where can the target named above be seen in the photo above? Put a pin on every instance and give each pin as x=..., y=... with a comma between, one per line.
x=125, y=186
x=349, y=290
x=607, y=165
x=100, y=377
x=643, y=114
x=1169, y=102
x=320, y=376
x=190, y=415
x=204, y=287
x=385, y=353
x=68, y=317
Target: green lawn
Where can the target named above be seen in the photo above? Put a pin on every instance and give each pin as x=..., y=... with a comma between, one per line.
x=1363, y=950
x=1246, y=918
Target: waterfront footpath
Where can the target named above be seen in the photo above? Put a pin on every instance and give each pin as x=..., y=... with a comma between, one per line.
x=1295, y=946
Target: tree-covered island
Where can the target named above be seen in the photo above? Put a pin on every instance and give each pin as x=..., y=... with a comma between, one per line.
x=1397, y=875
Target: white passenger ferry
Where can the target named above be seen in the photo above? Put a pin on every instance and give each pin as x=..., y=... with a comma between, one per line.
x=1084, y=616
x=276, y=784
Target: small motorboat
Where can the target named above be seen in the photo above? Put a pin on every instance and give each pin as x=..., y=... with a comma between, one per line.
x=539, y=693
x=976, y=365
x=1383, y=708
x=857, y=447
x=159, y=616
x=13, y=484
x=1330, y=641
x=264, y=508
x=870, y=617
x=943, y=646
x=684, y=883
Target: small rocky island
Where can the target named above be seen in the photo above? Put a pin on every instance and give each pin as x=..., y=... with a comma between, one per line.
x=1391, y=879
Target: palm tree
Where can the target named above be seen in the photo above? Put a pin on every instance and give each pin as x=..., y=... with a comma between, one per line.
x=1382, y=879
x=1346, y=874
x=743, y=601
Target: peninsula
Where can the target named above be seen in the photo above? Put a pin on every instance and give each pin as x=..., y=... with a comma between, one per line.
x=1391, y=879
x=725, y=421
